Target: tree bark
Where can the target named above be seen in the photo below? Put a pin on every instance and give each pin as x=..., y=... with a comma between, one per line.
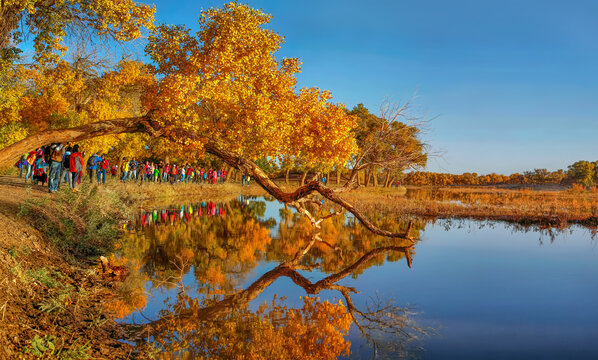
x=302, y=182
x=286, y=176
x=108, y=127
x=338, y=176
x=229, y=172
x=387, y=179
x=375, y=175
x=368, y=177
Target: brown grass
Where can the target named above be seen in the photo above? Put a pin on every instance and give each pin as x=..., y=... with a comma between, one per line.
x=48, y=246
x=550, y=208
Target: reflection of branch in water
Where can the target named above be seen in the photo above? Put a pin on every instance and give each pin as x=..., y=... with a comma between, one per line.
x=191, y=318
x=381, y=320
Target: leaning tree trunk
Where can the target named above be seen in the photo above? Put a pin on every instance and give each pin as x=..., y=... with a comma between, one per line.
x=286, y=176
x=143, y=124
x=387, y=180
x=229, y=172
x=303, y=178
x=107, y=127
x=390, y=181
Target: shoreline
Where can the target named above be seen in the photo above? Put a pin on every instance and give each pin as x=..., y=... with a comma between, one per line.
x=54, y=294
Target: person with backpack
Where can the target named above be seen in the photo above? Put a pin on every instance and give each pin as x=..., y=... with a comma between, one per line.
x=30, y=161
x=65, y=175
x=21, y=165
x=133, y=164
x=91, y=166
x=103, y=166
x=173, y=174
x=124, y=168
x=56, y=154
x=75, y=167
x=39, y=170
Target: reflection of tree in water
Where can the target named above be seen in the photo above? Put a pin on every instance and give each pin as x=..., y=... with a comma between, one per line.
x=341, y=240
x=221, y=249
x=224, y=327
x=545, y=232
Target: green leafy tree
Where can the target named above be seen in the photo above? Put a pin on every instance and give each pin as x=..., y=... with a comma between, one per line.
x=385, y=143
x=583, y=172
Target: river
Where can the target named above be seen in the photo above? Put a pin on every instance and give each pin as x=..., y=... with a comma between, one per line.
x=212, y=270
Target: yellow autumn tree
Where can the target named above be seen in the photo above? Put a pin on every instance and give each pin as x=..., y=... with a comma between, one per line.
x=50, y=22
x=225, y=86
x=67, y=94
x=223, y=91
x=317, y=330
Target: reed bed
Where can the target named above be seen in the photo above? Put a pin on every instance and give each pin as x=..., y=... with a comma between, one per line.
x=550, y=208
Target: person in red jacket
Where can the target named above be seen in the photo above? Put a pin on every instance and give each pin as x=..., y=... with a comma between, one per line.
x=76, y=167
x=103, y=166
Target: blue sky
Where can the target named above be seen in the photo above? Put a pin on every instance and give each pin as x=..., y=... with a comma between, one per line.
x=511, y=85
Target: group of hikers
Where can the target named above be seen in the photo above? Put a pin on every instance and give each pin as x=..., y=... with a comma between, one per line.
x=55, y=164
x=132, y=170
x=59, y=163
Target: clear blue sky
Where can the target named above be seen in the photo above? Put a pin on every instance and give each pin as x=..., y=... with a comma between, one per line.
x=513, y=84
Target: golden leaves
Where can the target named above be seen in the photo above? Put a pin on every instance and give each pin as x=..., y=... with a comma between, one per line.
x=225, y=84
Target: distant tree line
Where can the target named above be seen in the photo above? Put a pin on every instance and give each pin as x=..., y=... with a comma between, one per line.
x=584, y=173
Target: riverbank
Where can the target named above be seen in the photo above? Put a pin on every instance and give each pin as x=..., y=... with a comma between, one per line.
x=546, y=208
x=53, y=295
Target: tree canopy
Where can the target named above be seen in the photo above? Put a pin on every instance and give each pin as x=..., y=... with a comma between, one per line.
x=220, y=91
x=51, y=22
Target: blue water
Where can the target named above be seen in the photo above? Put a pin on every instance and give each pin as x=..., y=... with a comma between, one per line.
x=482, y=291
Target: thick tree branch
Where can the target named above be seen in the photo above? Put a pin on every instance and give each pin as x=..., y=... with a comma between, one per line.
x=11, y=153
x=273, y=189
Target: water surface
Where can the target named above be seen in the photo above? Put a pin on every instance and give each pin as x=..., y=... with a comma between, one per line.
x=474, y=290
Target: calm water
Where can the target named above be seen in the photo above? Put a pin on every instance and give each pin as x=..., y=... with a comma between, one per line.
x=474, y=290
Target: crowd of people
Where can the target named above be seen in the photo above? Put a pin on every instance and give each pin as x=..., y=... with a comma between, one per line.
x=54, y=164
x=59, y=163
x=133, y=170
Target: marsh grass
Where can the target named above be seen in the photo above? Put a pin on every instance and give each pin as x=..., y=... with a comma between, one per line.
x=550, y=208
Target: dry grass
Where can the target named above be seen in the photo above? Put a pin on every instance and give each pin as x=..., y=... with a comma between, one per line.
x=48, y=248
x=551, y=208
x=150, y=194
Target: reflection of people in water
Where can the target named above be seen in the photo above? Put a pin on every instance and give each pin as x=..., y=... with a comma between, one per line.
x=221, y=319
x=164, y=216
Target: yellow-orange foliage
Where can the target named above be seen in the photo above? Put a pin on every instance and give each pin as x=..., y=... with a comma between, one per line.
x=60, y=95
x=274, y=331
x=51, y=21
x=225, y=85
